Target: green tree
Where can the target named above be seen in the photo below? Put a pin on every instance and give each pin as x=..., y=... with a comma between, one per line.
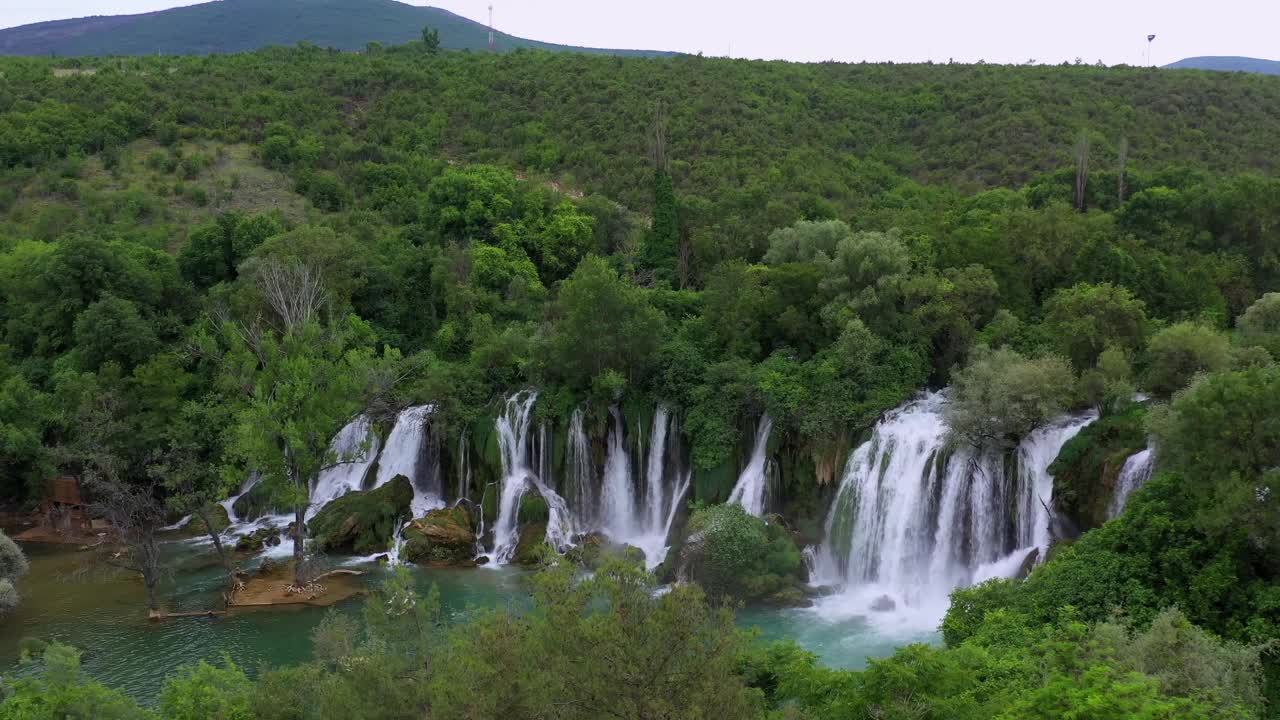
x=1000, y=396
x=1084, y=320
x=1179, y=352
x=207, y=692
x=431, y=40
x=603, y=323
x=61, y=692
x=1260, y=324
x=302, y=385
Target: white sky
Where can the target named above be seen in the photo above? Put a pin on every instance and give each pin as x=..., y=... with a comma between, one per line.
x=1006, y=31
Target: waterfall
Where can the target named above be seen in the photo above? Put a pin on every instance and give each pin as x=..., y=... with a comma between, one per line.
x=579, y=485
x=1035, y=454
x=914, y=518
x=406, y=453
x=750, y=491
x=655, y=502
x=512, y=428
x=517, y=477
x=1135, y=472
x=230, y=503
x=619, y=495
x=354, y=449
x=464, y=465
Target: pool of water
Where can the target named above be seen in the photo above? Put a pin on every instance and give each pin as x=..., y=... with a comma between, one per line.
x=103, y=614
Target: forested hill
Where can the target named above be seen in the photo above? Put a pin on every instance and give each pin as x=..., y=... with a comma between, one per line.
x=227, y=26
x=754, y=145
x=1228, y=64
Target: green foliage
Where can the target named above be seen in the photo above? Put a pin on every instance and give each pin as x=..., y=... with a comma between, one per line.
x=362, y=522
x=1178, y=353
x=1084, y=320
x=1000, y=395
x=61, y=692
x=1086, y=469
x=605, y=324
x=732, y=554
x=207, y=692
x=1222, y=434
x=1260, y=324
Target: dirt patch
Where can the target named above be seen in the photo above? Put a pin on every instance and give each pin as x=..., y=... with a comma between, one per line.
x=273, y=589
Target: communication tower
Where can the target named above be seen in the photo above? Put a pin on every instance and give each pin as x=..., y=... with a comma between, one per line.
x=492, y=47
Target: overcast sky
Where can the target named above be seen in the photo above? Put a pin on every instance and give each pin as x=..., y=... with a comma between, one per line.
x=1006, y=31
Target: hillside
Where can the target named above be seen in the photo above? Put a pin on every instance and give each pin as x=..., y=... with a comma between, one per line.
x=227, y=26
x=1227, y=63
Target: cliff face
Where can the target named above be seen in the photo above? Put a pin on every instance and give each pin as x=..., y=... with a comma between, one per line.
x=1086, y=470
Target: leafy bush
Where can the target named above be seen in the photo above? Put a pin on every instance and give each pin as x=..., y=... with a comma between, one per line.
x=731, y=553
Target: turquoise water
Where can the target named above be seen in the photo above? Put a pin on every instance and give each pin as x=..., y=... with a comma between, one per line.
x=104, y=616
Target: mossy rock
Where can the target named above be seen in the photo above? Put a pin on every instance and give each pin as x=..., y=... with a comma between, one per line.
x=442, y=537
x=587, y=550
x=732, y=554
x=1087, y=467
x=788, y=597
x=590, y=552
x=530, y=547
x=258, y=540
x=362, y=522
x=196, y=527
x=533, y=509
x=255, y=503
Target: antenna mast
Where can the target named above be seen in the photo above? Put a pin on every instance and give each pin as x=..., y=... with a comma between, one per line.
x=491, y=45
x=1150, y=39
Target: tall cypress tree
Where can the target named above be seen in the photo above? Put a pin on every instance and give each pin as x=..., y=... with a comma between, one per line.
x=664, y=237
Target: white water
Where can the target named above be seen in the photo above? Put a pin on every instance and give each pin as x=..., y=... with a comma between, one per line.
x=230, y=503
x=1135, y=472
x=913, y=519
x=406, y=454
x=517, y=477
x=752, y=487
x=647, y=527
x=579, y=485
x=354, y=449
x=619, y=495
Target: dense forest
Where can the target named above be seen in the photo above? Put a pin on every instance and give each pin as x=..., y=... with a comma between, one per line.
x=209, y=265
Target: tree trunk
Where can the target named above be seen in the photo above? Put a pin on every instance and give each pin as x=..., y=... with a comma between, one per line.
x=151, y=580
x=223, y=555
x=299, y=533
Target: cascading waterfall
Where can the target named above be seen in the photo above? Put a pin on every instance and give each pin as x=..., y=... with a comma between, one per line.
x=406, y=453
x=517, y=477
x=354, y=449
x=1135, y=472
x=619, y=495
x=464, y=465
x=649, y=526
x=914, y=518
x=230, y=503
x=752, y=487
x=654, y=469
x=579, y=485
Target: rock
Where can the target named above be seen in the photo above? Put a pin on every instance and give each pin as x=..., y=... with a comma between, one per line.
x=633, y=554
x=792, y=597
x=482, y=560
x=1028, y=564
x=362, y=522
x=258, y=540
x=441, y=537
x=382, y=559
x=586, y=551
x=817, y=591
x=255, y=503
x=529, y=547
x=195, y=527
x=884, y=603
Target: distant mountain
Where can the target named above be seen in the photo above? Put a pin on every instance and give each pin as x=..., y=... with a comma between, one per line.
x=1229, y=64
x=227, y=26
